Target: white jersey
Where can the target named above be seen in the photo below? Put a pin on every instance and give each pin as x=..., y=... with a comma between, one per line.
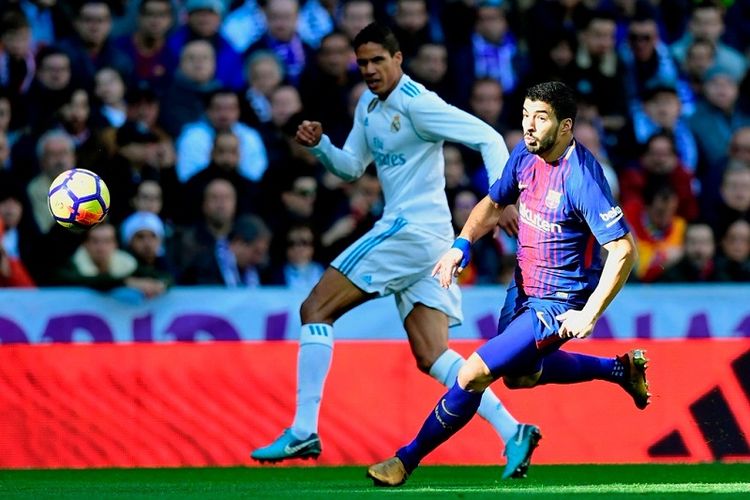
x=404, y=136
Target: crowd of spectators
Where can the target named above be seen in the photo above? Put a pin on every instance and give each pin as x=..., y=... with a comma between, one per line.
x=188, y=109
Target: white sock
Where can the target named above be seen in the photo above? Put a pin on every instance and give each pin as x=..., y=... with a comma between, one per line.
x=313, y=363
x=445, y=370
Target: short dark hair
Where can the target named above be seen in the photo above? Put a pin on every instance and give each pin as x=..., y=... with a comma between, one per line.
x=559, y=96
x=377, y=33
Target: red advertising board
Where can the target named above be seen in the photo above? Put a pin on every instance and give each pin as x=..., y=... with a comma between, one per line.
x=198, y=404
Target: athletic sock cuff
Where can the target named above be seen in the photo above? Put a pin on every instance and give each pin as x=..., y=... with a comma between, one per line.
x=316, y=333
x=443, y=367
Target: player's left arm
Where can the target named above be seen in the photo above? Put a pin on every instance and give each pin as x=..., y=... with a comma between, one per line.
x=436, y=120
x=594, y=202
x=621, y=256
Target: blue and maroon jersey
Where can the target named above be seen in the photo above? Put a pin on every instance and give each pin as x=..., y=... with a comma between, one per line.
x=566, y=213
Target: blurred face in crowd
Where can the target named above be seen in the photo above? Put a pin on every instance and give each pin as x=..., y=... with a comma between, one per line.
x=735, y=189
x=355, y=16
x=365, y=195
x=4, y=149
x=58, y=155
x=486, y=100
x=462, y=206
x=5, y=113
x=491, y=23
x=101, y=244
x=155, y=19
x=721, y=91
x=431, y=63
x=411, y=15
x=11, y=212
x=300, y=200
x=380, y=70
x=109, y=87
x=541, y=130
x=54, y=71
x=285, y=103
x=219, y=203
x=204, y=22
x=223, y=111
x=736, y=241
x=706, y=23
x=198, y=61
x=335, y=54
x=226, y=151
x=642, y=37
x=265, y=74
x=148, y=197
x=700, y=56
x=94, y=23
x=455, y=171
x=281, y=16
x=664, y=108
x=300, y=246
x=662, y=209
x=699, y=244
x=144, y=111
x=17, y=42
x=586, y=134
x=561, y=54
x=739, y=146
x=660, y=157
x=251, y=253
x=145, y=245
x=75, y=113
x=599, y=37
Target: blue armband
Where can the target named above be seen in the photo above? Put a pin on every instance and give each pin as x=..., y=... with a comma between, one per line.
x=465, y=246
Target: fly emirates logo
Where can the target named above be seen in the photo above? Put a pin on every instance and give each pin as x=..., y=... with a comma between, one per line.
x=536, y=221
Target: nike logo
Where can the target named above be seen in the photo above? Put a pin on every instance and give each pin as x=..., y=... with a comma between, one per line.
x=540, y=317
x=522, y=186
x=445, y=409
x=288, y=449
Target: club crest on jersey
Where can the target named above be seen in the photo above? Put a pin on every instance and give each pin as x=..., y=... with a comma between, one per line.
x=372, y=104
x=396, y=124
x=552, y=201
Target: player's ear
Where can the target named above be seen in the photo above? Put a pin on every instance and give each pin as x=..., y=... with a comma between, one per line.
x=399, y=57
x=567, y=125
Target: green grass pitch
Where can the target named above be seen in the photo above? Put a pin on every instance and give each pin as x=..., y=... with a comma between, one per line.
x=343, y=483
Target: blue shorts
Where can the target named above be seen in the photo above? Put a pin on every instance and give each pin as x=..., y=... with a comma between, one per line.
x=525, y=337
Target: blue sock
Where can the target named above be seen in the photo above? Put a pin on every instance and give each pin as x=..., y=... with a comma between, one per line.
x=562, y=367
x=453, y=411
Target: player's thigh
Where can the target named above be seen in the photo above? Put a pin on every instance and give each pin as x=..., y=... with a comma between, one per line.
x=427, y=330
x=514, y=352
x=333, y=296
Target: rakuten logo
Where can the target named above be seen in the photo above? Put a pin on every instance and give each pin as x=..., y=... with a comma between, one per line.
x=535, y=220
x=612, y=215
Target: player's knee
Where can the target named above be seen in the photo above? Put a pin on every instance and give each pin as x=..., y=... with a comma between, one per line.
x=521, y=381
x=473, y=377
x=425, y=358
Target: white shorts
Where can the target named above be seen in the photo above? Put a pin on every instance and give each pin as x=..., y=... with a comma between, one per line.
x=397, y=257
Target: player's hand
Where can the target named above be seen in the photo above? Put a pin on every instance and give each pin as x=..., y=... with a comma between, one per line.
x=448, y=266
x=509, y=220
x=309, y=133
x=575, y=324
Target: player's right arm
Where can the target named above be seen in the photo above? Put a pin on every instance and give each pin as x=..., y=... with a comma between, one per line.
x=348, y=163
x=483, y=219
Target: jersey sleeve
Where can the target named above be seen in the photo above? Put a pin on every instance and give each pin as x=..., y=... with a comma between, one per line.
x=504, y=191
x=435, y=120
x=350, y=162
x=593, y=200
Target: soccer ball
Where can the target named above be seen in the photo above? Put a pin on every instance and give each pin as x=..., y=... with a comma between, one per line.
x=78, y=199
